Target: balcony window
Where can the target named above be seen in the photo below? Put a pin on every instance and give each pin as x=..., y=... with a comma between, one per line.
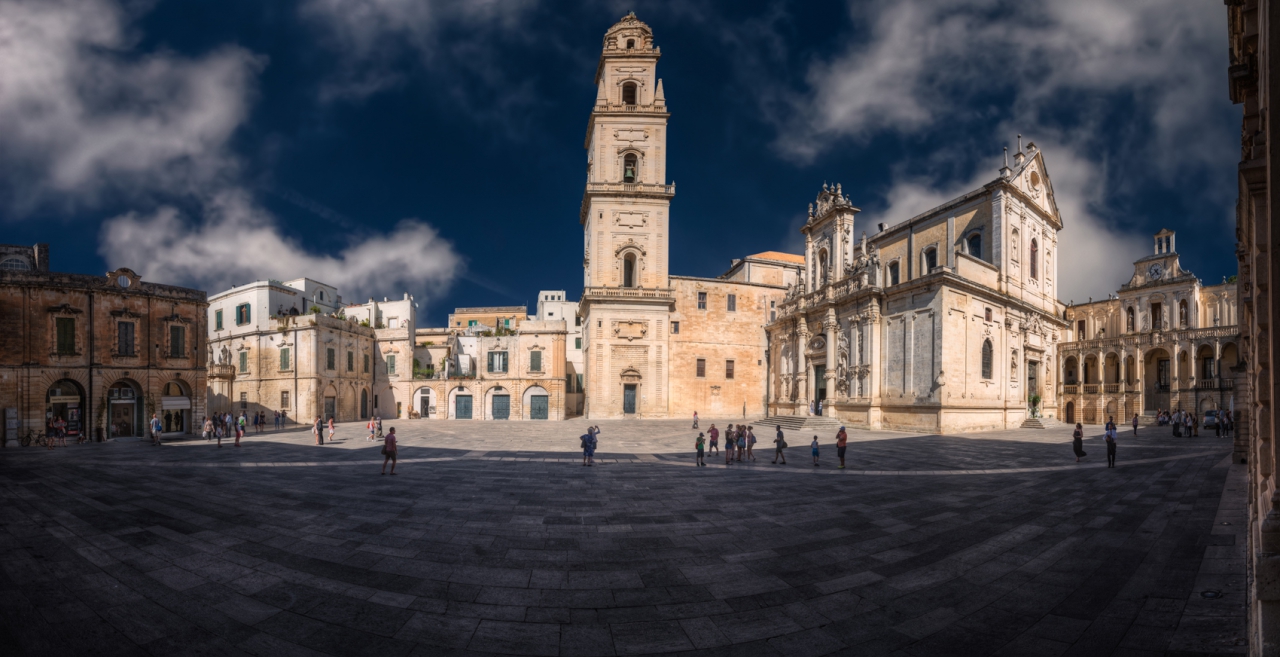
x=498, y=362
x=124, y=339
x=284, y=359
x=629, y=270
x=242, y=314
x=177, y=342
x=66, y=328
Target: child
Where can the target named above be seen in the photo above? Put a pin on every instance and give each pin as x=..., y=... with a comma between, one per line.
x=698, y=444
x=814, y=446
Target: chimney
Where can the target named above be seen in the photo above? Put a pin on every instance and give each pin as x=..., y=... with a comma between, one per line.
x=882, y=227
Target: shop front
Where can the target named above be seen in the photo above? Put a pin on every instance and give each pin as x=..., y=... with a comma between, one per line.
x=175, y=408
x=65, y=402
x=124, y=399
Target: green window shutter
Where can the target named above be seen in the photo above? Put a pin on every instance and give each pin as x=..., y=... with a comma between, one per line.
x=66, y=327
x=391, y=364
x=217, y=320
x=244, y=361
x=247, y=313
x=535, y=361
x=284, y=358
x=577, y=343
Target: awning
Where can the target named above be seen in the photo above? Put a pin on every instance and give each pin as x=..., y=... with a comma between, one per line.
x=174, y=403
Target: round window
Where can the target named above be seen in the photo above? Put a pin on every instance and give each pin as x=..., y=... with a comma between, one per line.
x=1035, y=180
x=123, y=281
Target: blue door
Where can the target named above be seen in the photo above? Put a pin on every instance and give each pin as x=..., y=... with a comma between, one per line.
x=629, y=399
x=538, y=407
x=462, y=410
x=501, y=407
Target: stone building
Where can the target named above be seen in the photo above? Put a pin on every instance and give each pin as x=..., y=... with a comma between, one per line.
x=101, y=352
x=488, y=318
x=1252, y=27
x=944, y=322
x=656, y=345
x=518, y=375
x=295, y=347
x=552, y=306
x=1165, y=341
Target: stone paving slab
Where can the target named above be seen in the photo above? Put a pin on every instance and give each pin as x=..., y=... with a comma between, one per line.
x=493, y=539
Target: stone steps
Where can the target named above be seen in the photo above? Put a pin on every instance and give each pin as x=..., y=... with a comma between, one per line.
x=803, y=423
x=1041, y=423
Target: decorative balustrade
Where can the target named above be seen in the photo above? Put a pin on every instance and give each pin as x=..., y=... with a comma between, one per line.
x=1135, y=340
x=1090, y=388
x=1111, y=388
x=662, y=293
x=620, y=107
x=631, y=188
x=1071, y=389
x=222, y=371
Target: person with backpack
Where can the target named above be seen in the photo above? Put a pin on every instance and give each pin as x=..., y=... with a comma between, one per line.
x=842, y=442
x=156, y=428
x=697, y=444
x=1077, y=441
x=372, y=429
x=741, y=441
x=240, y=427
x=781, y=443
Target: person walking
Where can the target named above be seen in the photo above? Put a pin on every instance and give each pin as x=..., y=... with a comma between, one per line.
x=695, y=419
x=315, y=431
x=207, y=428
x=388, y=450
x=332, y=429
x=1077, y=442
x=155, y=430
x=814, y=446
x=698, y=445
x=842, y=440
x=1111, y=448
x=256, y=426
x=751, y=443
x=780, y=443
x=714, y=434
x=1135, y=424
x=742, y=441
x=377, y=419
x=1195, y=425
x=241, y=425
x=372, y=429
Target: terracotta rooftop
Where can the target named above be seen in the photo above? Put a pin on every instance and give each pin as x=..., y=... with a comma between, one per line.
x=779, y=256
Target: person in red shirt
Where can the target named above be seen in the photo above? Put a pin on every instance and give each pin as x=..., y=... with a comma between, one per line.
x=842, y=439
x=389, y=451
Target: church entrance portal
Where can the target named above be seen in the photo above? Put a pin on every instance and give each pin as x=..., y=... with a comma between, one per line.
x=819, y=388
x=629, y=399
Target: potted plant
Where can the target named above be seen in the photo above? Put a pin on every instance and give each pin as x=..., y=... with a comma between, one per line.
x=1034, y=400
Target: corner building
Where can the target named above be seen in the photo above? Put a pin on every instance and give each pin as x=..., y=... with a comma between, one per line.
x=944, y=322
x=656, y=345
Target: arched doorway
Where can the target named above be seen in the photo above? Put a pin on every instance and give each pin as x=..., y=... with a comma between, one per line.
x=330, y=403
x=536, y=403
x=424, y=402
x=65, y=401
x=175, y=407
x=630, y=391
x=124, y=417
x=499, y=403
x=1156, y=379
x=1069, y=415
x=460, y=403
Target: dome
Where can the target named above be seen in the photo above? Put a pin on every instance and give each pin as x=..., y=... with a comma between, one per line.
x=630, y=33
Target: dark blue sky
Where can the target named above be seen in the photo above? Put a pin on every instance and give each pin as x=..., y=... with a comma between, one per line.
x=471, y=118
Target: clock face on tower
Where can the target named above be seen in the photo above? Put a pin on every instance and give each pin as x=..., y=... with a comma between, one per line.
x=1155, y=271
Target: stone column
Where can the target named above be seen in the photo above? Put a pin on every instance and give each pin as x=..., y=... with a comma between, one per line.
x=833, y=355
x=802, y=366
x=951, y=242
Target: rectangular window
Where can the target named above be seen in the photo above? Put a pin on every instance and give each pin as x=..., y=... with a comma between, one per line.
x=702, y=367
x=1080, y=330
x=284, y=399
x=471, y=322
x=577, y=321
x=498, y=361
x=391, y=364
x=702, y=301
x=773, y=315
x=728, y=369
x=284, y=358
x=578, y=387
x=242, y=314
x=244, y=400
x=244, y=361
x=988, y=314
x=66, y=327
x=351, y=361
x=732, y=305
x=124, y=339
x=675, y=327
x=177, y=342
x=329, y=357
x=217, y=320
x=366, y=363
x=535, y=361
x=577, y=343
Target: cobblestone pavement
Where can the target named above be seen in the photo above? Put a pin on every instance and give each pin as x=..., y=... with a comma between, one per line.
x=493, y=539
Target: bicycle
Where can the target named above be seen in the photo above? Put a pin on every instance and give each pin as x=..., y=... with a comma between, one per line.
x=36, y=438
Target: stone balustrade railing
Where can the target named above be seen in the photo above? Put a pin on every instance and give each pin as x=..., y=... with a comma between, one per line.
x=664, y=293
x=631, y=188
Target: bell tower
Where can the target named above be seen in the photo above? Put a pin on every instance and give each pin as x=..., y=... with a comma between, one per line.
x=627, y=296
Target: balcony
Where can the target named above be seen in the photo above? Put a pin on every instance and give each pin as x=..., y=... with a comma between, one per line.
x=222, y=371
x=1111, y=388
x=621, y=107
x=665, y=294
x=1071, y=389
x=1090, y=388
x=630, y=188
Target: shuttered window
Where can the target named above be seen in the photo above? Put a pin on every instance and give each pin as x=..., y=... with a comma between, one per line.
x=702, y=367
x=366, y=363
x=732, y=303
x=498, y=362
x=535, y=361
x=351, y=361
x=244, y=361
x=242, y=314
x=177, y=342
x=728, y=369
x=284, y=358
x=124, y=339
x=329, y=359
x=217, y=320
x=391, y=364
x=66, y=327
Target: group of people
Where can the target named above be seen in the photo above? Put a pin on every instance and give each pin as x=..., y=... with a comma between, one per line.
x=1187, y=424
x=221, y=425
x=1077, y=440
x=740, y=441
x=57, y=433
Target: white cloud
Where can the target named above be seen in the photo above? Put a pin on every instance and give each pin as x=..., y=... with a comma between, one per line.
x=235, y=242
x=80, y=113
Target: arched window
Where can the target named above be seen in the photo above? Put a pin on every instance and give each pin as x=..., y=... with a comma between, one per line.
x=629, y=93
x=629, y=270
x=975, y=245
x=1182, y=314
x=1035, y=256
x=1128, y=321
x=630, y=168
x=321, y=295
x=987, y=356
x=631, y=43
x=15, y=264
x=930, y=260
x=893, y=273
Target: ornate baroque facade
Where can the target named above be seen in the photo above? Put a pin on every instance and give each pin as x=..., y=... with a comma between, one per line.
x=1163, y=342
x=945, y=322
x=101, y=352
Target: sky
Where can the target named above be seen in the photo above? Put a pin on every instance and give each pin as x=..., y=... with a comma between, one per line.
x=436, y=146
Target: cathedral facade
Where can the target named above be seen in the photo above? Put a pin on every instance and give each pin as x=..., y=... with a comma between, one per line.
x=945, y=322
